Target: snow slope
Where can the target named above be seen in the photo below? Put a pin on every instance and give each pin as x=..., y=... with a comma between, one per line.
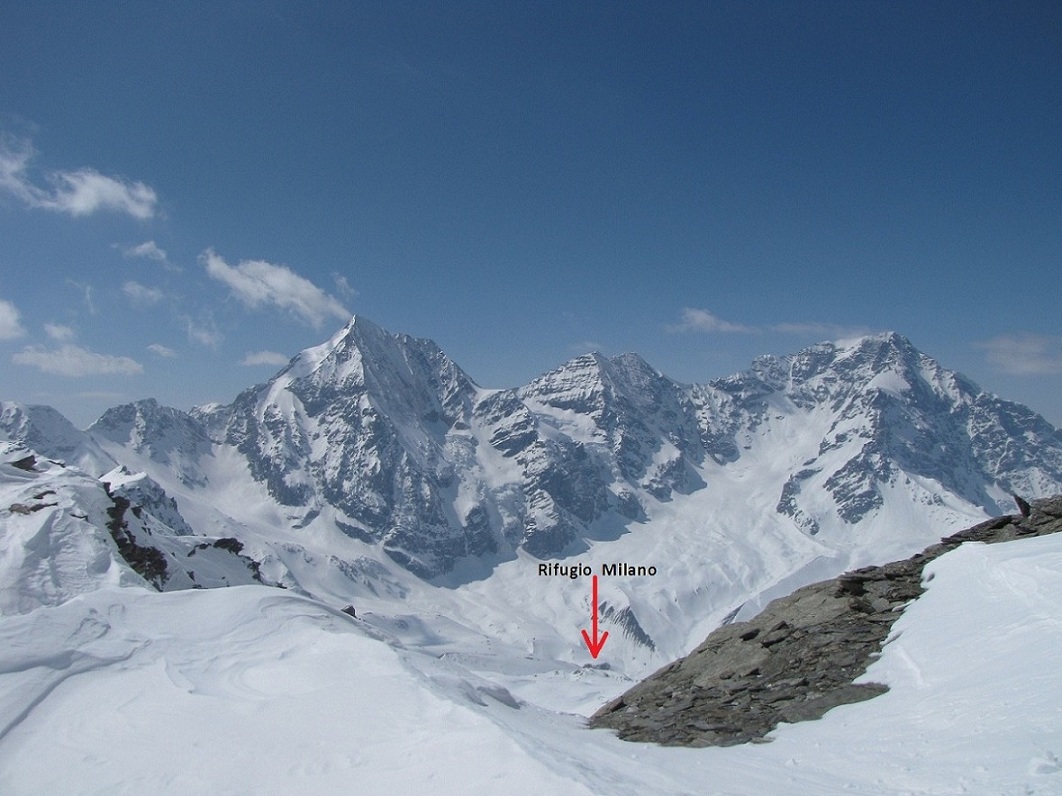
x=252, y=689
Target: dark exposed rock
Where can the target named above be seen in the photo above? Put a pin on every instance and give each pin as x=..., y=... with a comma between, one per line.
x=148, y=562
x=799, y=658
x=27, y=463
x=1023, y=505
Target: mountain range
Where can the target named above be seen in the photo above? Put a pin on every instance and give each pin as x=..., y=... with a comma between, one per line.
x=373, y=470
x=433, y=543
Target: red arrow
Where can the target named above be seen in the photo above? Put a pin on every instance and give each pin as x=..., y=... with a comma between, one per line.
x=595, y=645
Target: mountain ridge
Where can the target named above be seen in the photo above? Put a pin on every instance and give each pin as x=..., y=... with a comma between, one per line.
x=386, y=440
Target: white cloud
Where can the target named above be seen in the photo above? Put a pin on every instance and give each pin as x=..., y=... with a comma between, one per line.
x=63, y=334
x=586, y=347
x=141, y=295
x=79, y=193
x=695, y=320
x=700, y=320
x=1024, y=354
x=257, y=283
x=86, y=291
x=203, y=333
x=73, y=360
x=265, y=358
x=148, y=250
x=83, y=192
x=344, y=288
x=14, y=157
x=162, y=351
x=10, y=321
x=831, y=331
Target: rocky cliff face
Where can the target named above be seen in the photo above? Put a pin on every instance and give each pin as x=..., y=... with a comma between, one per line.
x=799, y=657
x=874, y=413
x=388, y=440
x=390, y=431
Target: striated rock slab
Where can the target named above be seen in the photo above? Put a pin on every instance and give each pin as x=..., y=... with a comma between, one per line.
x=798, y=658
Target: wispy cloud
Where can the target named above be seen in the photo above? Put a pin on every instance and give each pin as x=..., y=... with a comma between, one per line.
x=825, y=331
x=160, y=350
x=202, y=332
x=699, y=320
x=149, y=250
x=343, y=287
x=102, y=395
x=257, y=284
x=10, y=321
x=86, y=292
x=585, y=347
x=73, y=360
x=141, y=295
x=62, y=334
x=78, y=193
x=1024, y=354
x=265, y=358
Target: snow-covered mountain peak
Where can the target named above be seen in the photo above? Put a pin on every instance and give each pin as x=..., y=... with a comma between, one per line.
x=592, y=383
x=392, y=372
x=381, y=437
x=168, y=436
x=49, y=433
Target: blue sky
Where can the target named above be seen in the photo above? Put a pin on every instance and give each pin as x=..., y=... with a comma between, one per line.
x=190, y=193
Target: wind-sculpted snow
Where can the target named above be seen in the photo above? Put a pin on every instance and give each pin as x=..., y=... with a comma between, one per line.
x=64, y=533
x=254, y=690
x=54, y=543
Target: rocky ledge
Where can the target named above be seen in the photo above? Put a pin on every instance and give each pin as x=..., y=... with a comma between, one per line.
x=799, y=657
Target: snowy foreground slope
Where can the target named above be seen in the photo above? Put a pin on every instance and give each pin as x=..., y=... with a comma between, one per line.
x=255, y=690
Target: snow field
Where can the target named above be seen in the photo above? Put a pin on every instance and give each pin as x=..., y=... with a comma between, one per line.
x=253, y=690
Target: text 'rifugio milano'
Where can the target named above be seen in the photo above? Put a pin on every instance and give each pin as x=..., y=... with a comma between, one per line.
x=574, y=571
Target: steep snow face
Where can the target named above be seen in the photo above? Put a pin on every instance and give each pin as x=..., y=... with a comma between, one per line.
x=641, y=420
x=370, y=424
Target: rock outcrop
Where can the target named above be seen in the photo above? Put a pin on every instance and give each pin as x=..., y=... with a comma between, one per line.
x=798, y=658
